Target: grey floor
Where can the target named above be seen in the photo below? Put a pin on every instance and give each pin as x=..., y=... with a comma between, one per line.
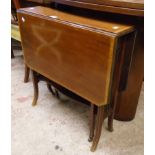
x=60, y=127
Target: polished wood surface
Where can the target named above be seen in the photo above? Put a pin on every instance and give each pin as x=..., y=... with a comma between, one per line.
x=41, y=1
x=111, y=27
x=129, y=7
x=82, y=66
x=35, y=87
x=89, y=57
x=98, y=129
x=128, y=98
x=138, y=4
x=92, y=122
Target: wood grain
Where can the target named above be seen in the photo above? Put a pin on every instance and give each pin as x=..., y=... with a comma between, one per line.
x=78, y=21
x=128, y=7
x=76, y=56
x=137, y=4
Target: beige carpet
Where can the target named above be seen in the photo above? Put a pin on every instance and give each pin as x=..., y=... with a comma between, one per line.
x=55, y=127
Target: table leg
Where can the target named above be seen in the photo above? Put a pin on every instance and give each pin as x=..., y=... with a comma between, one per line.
x=92, y=122
x=112, y=113
x=27, y=72
x=35, y=86
x=98, y=127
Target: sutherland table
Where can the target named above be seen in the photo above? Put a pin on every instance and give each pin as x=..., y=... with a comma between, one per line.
x=126, y=11
x=87, y=56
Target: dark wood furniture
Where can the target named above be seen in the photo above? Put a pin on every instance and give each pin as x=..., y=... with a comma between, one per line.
x=128, y=7
x=30, y=3
x=87, y=56
x=128, y=11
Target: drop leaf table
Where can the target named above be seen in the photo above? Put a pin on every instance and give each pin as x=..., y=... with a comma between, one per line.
x=87, y=56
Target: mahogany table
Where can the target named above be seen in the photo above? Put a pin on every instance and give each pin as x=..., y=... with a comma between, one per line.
x=87, y=56
x=121, y=79
x=126, y=11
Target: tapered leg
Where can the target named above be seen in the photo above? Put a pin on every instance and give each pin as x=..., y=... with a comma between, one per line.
x=92, y=122
x=35, y=86
x=98, y=129
x=112, y=113
x=27, y=72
